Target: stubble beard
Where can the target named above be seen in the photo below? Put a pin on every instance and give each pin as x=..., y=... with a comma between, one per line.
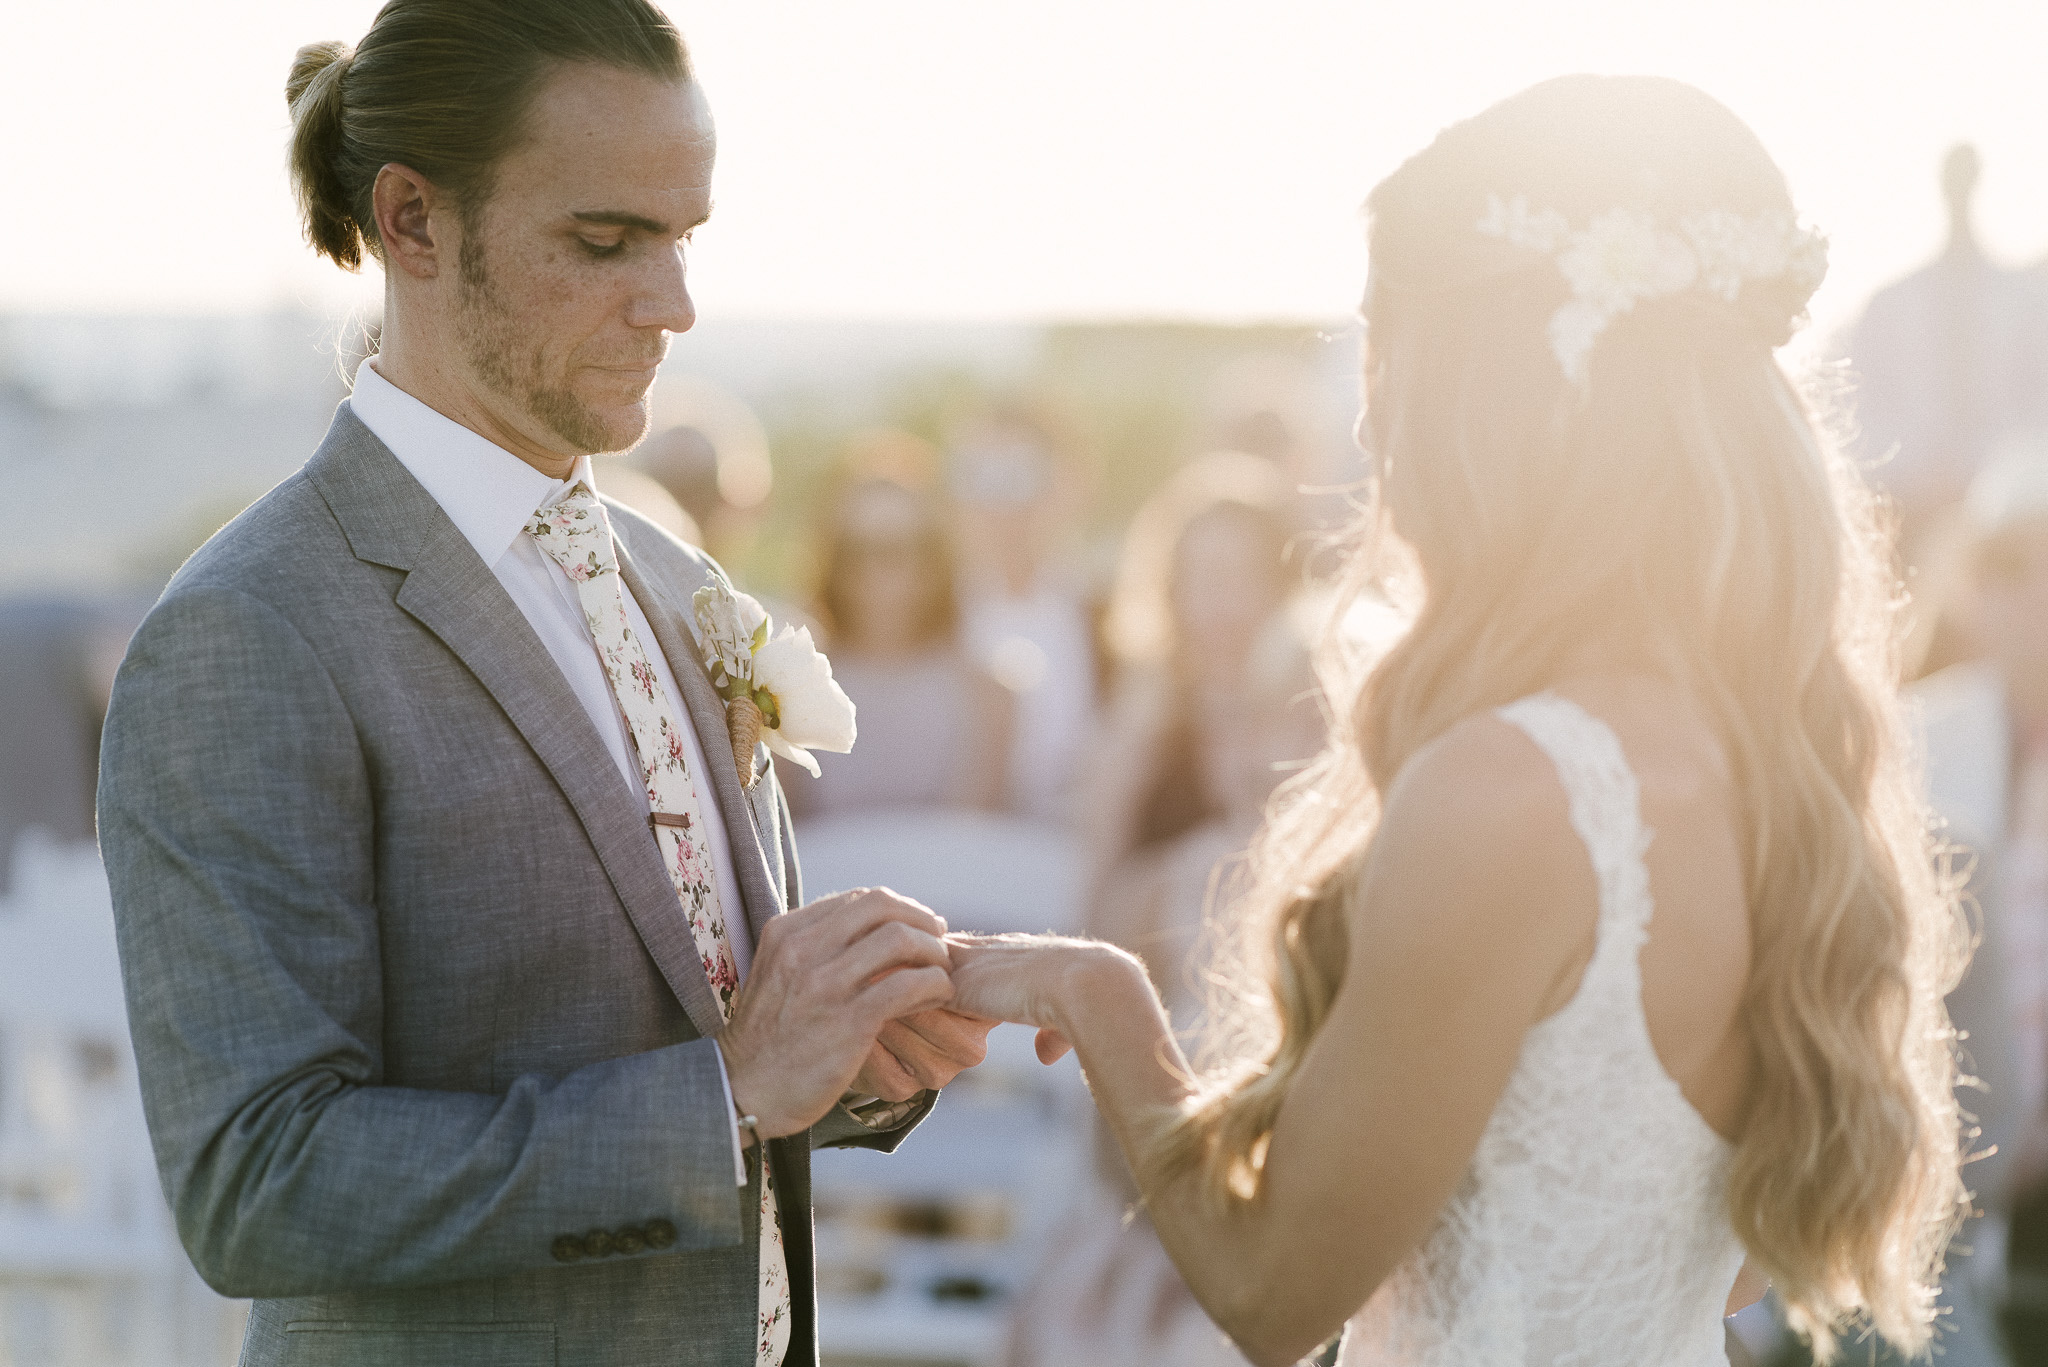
x=490, y=341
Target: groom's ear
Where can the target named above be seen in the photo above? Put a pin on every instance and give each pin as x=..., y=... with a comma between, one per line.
x=406, y=206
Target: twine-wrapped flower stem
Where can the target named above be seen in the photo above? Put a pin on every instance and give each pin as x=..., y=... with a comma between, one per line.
x=744, y=719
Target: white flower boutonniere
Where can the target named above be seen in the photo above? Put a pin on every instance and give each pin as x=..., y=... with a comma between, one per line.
x=776, y=686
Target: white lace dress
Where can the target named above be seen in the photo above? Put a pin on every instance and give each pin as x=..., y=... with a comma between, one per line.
x=1591, y=1225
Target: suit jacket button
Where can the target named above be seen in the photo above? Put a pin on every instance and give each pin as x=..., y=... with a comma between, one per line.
x=659, y=1233
x=567, y=1249
x=598, y=1243
x=629, y=1239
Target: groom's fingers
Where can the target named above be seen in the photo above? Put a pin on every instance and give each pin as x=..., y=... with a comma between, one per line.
x=1052, y=1046
x=937, y=1046
x=855, y=914
x=886, y=1076
x=899, y=994
x=917, y=1059
x=954, y=1033
x=889, y=946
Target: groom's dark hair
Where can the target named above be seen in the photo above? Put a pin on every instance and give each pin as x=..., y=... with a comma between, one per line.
x=442, y=86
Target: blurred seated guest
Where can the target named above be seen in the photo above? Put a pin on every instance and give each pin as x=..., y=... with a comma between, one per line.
x=650, y=498
x=1985, y=729
x=715, y=462
x=1204, y=566
x=1106, y=1291
x=683, y=461
x=1017, y=500
x=56, y=669
x=934, y=726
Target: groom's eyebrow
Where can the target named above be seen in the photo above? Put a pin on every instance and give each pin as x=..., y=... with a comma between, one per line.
x=619, y=218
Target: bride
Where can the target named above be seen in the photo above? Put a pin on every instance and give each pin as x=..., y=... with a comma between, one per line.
x=1596, y=970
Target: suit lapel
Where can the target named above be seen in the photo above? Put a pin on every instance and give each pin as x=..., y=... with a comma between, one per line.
x=392, y=521
x=707, y=713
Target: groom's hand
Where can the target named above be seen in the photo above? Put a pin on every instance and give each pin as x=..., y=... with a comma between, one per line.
x=826, y=979
x=923, y=1052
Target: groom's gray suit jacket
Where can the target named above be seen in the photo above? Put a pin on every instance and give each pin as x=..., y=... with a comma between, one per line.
x=414, y=1006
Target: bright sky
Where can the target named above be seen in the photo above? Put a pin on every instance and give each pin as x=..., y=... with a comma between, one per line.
x=998, y=159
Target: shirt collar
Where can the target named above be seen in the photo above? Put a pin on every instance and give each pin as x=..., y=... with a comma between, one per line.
x=486, y=491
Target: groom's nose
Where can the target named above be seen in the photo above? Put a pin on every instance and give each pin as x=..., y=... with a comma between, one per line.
x=662, y=294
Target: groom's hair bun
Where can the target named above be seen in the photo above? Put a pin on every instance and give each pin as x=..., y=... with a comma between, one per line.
x=442, y=86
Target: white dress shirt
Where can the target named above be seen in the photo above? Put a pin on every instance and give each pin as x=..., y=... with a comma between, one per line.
x=489, y=493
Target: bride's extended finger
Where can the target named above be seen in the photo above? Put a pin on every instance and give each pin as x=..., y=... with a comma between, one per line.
x=989, y=993
x=975, y=942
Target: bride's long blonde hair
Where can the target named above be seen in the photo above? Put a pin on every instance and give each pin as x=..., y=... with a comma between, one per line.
x=1686, y=495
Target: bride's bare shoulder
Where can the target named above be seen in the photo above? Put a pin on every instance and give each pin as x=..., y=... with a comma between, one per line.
x=1482, y=778
x=1475, y=841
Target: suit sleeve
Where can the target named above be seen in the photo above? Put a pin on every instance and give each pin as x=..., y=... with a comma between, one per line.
x=238, y=826
x=841, y=1129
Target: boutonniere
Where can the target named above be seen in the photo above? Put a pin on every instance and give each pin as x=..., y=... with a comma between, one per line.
x=777, y=686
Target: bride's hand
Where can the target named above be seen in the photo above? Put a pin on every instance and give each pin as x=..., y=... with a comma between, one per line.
x=1030, y=980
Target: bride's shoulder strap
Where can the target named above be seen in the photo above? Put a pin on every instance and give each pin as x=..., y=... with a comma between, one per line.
x=1605, y=802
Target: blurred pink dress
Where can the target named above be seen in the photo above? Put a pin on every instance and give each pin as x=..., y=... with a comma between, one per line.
x=919, y=745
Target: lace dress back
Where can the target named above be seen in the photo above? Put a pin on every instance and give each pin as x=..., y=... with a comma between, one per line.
x=1591, y=1226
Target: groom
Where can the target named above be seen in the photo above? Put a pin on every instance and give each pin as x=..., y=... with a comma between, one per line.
x=429, y=952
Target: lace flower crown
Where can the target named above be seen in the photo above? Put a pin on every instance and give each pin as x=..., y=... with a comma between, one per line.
x=1623, y=257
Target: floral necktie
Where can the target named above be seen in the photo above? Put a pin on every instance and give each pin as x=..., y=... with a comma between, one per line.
x=575, y=533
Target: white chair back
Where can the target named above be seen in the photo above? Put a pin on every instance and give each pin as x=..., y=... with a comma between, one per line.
x=921, y=1252
x=90, y=1267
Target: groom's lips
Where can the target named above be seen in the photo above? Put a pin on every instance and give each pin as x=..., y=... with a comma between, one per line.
x=642, y=375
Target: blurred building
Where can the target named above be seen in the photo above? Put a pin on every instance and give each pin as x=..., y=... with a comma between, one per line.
x=146, y=434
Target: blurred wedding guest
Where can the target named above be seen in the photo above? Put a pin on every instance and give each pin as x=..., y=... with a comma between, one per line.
x=1016, y=499
x=715, y=461
x=685, y=463
x=1204, y=565
x=934, y=726
x=1985, y=732
x=1950, y=362
x=1106, y=1291
x=1294, y=408
x=1152, y=900
x=650, y=498
x=57, y=659
x=1210, y=697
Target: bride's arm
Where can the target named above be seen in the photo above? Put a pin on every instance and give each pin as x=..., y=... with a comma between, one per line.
x=1474, y=916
